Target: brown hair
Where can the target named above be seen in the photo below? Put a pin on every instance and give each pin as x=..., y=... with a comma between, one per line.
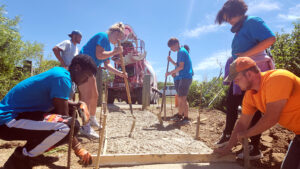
x=230, y=9
x=187, y=48
x=172, y=41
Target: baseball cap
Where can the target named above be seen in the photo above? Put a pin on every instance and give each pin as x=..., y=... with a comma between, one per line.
x=238, y=65
x=75, y=32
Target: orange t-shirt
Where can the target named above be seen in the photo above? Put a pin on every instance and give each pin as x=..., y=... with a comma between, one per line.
x=277, y=85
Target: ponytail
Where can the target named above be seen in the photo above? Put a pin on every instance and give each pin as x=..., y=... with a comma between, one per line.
x=187, y=48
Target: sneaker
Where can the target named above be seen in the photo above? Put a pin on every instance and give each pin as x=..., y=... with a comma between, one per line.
x=177, y=117
x=223, y=140
x=17, y=160
x=185, y=121
x=93, y=122
x=254, y=154
x=88, y=131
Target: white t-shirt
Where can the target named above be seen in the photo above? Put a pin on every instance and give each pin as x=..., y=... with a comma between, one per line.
x=69, y=51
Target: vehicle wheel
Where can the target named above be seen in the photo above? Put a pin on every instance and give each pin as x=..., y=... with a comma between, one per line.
x=110, y=97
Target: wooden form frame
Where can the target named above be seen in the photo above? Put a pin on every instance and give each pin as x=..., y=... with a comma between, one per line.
x=146, y=159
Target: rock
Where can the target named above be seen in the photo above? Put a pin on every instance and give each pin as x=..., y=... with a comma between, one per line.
x=278, y=157
x=266, y=144
x=267, y=138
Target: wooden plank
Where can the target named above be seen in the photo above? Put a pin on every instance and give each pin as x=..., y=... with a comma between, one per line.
x=143, y=159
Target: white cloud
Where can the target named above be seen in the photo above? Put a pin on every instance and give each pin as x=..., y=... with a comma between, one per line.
x=293, y=14
x=193, y=33
x=262, y=5
x=213, y=61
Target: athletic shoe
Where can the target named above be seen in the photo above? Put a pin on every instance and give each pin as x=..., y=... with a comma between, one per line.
x=88, y=131
x=223, y=140
x=185, y=121
x=94, y=122
x=254, y=154
x=177, y=117
x=17, y=160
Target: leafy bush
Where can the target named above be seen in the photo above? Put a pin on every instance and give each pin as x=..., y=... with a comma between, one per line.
x=13, y=52
x=286, y=50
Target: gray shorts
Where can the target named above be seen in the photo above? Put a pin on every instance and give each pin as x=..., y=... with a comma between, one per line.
x=182, y=86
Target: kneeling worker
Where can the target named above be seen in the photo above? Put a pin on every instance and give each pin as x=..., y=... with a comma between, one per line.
x=276, y=93
x=37, y=110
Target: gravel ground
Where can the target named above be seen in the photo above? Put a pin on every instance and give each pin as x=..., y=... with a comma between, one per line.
x=148, y=136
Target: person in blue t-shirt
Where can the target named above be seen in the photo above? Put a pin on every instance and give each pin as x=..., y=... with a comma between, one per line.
x=37, y=110
x=252, y=37
x=98, y=47
x=183, y=77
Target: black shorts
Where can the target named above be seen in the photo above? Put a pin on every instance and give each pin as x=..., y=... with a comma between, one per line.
x=182, y=86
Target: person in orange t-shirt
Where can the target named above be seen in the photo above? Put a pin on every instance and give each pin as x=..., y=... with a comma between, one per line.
x=276, y=93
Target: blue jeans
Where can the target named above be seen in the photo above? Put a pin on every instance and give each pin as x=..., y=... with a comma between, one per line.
x=292, y=159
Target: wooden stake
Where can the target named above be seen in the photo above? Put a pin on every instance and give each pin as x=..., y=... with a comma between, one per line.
x=198, y=121
x=127, y=91
x=71, y=138
x=246, y=153
x=101, y=141
x=163, y=103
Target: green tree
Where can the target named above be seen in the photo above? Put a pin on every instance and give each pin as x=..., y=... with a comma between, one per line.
x=286, y=50
x=160, y=85
x=13, y=52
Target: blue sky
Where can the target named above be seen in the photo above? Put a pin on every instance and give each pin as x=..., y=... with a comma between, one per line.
x=154, y=21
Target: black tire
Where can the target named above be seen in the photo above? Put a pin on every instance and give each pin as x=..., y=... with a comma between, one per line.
x=110, y=97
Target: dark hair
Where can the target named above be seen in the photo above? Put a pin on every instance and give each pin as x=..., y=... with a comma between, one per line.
x=230, y=9
x=254, y=69
x=172, y=41
x=85, y=62
x=187, y=48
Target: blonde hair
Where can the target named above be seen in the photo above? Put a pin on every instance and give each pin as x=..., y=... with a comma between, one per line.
x=120, y=27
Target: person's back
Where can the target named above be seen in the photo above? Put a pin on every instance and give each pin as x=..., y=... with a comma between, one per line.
x=36, y=93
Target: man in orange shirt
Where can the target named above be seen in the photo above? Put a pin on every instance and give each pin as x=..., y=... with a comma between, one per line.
x=276, y=93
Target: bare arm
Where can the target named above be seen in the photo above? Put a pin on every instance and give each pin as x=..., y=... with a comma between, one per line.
x=56, y=50
x=261, y=46
x=271, y=117
x=172, y=61
x=110, y=68
x=242, y=125
x=179, y=68
x=61, y=106
x=101, y=54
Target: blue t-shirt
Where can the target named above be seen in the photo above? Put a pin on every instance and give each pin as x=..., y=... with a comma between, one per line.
x=187, y=71
x=253, y=31
x=90, y=47
x=36, y=93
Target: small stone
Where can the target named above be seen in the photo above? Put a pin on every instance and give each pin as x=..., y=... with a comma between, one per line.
x=266, y=144
x=267, y=138
x=278, y=157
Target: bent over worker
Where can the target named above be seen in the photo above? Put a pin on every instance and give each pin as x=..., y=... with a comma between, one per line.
x=37, y=110
x=276, y=93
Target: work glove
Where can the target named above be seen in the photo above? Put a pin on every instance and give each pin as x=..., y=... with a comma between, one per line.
x=84, y=155
x=84, y=113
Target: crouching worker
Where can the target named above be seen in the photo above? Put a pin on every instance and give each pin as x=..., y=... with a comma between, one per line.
x=37, y=110
x=276, y=94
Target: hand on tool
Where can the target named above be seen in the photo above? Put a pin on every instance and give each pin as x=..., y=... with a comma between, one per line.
x=84, y=155
x=222, y=151
x=173, y=74
x=118, y=50
x=168, y=73
x=170, y=59
x=242, y=135
x=124, y=75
